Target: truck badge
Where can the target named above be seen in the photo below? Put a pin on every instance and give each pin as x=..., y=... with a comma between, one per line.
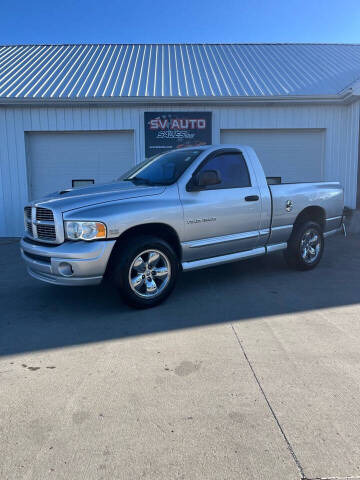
x=200, y=220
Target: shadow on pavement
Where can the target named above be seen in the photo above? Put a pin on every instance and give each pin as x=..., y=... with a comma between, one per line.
x=36, y=316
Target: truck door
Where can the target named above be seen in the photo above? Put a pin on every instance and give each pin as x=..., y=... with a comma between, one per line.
x=223, y=218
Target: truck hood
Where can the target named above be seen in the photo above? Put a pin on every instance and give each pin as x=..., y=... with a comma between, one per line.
x=86, y=196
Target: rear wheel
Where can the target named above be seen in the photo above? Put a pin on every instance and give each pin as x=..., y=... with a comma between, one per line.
x=305, y=246
x=145, y=271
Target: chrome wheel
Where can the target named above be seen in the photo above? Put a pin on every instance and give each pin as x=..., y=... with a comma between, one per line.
x=310, y=245
x=149, y=273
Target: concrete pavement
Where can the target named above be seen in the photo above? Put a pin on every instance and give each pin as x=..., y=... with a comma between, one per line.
x=249, y=371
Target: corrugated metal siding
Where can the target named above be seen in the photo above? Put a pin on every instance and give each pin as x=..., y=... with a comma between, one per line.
x=187, y=70
x=341, y=124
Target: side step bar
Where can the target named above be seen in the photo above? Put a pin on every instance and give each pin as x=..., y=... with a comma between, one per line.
x=232, y=257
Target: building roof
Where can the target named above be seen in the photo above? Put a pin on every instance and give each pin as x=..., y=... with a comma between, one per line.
x=177, y=71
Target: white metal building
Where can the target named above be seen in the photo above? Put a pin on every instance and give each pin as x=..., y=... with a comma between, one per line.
x=77, y=111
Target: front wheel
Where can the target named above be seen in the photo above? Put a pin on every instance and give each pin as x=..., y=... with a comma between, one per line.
x=305, y=246
x=146, y=271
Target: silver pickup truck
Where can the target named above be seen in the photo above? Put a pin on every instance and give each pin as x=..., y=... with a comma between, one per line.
x=183, y=210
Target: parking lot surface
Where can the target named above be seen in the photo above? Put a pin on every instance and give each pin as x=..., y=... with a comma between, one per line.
x=248, y=371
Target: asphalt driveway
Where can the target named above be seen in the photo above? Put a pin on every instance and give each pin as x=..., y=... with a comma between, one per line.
x=248, y=371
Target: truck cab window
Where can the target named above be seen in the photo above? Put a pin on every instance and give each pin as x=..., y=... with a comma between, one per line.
x=232, y=169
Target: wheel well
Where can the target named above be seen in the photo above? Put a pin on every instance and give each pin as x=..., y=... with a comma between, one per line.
x=160, y=230
x=316, y=214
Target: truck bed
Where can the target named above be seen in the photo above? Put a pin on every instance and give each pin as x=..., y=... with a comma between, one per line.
x=289, y=199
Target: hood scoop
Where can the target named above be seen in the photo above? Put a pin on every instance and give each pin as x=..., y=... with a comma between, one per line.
x=62, y=192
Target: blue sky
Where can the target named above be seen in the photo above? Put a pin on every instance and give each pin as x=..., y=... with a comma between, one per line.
x=157, y=21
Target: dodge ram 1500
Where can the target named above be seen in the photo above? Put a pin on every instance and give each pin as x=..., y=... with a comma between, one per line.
x=183, y=210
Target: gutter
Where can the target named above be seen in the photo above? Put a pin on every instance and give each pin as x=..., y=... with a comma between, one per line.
x=346, y=96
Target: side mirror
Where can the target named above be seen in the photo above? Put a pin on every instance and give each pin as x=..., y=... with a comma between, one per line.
x=203, y=179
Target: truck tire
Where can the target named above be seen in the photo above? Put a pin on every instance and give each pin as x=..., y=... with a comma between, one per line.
x=305, y=246
x=145, y=271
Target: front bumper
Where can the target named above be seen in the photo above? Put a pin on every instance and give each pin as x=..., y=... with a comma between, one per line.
x=71, y=263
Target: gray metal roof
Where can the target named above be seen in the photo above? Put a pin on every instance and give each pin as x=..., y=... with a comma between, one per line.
x=176, y=70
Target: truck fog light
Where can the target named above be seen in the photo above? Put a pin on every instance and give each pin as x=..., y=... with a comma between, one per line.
x=65, y=269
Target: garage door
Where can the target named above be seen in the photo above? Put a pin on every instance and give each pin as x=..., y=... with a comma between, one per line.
x=293, y=155
x=55, y=159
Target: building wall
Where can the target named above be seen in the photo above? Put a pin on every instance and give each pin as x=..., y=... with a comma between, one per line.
x=340, y=121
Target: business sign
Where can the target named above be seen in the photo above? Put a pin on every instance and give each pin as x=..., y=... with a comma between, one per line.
x=171, y=130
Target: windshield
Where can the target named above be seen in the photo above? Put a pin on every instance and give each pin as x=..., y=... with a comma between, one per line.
x=163, y=169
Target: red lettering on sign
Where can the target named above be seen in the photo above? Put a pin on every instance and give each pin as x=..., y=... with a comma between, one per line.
x=177, y=124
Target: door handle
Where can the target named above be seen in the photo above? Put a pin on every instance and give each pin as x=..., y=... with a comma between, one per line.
x=252, y=198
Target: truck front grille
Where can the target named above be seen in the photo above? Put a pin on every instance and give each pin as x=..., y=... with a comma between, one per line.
x=44, y=214
x=29, y=228
x=40, y=224
x=46, y=231
x=27, y=211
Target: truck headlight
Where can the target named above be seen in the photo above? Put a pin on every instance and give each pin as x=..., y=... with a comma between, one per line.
x=84, y=230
